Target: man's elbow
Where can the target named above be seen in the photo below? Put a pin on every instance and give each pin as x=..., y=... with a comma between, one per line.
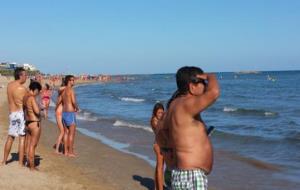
x=215, y=93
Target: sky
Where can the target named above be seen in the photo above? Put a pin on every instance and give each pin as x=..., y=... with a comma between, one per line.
x=154, y=36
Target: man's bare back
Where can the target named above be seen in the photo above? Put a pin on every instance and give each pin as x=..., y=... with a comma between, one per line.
x=15, y=95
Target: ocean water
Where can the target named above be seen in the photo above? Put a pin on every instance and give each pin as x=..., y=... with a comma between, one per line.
x=257, y=115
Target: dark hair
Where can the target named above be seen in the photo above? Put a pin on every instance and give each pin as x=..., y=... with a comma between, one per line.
x=47, y=86
x=156, y=107
x=35, y=85
x=68, y=78
x=63, y=82
x=18, y=72
x=184, y=76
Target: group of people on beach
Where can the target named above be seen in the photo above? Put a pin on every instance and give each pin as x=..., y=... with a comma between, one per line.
x=25, y=112
x=181, y=139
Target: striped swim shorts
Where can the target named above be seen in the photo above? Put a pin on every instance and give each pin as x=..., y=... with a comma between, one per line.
x=189, y=179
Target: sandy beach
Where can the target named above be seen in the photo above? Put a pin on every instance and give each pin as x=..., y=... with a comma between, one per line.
x=96, y=167
x=100, y=167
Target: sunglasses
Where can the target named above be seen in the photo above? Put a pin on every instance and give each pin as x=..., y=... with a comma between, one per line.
x=196, y=80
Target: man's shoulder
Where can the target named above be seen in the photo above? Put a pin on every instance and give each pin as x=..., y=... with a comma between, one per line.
x=11, y=83
x=181, y=108
x=68, y=89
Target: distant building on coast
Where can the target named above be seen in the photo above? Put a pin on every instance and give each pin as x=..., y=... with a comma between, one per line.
x=29, y=67
x=13, y=65
x=7, y=65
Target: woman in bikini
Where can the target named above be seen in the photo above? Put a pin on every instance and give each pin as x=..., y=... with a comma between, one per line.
x=157, y=115
x=32, y=116
x=58, y=114
x=46, y=97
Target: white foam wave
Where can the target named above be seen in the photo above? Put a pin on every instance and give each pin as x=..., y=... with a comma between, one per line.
x=86, y=117
x=229, y=109
x=126, y=124
x=52, y=104
x=270, y=113
x=126, y=99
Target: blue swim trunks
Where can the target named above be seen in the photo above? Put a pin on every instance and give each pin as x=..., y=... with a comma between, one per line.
x=69, y=118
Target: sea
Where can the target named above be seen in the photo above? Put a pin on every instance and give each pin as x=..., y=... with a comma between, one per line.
x=257, y=115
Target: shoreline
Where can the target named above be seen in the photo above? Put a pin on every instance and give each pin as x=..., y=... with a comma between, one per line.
x=96, y=167
x=102, y=167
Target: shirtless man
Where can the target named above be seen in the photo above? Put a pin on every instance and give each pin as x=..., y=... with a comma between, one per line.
x=15, y=94
x=192, y=148
x=70, y=106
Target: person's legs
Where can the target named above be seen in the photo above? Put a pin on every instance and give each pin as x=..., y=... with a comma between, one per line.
x=21, y=149
x=27, y=143
x=61, y=132
x=7, y=148
x=71, y=136
x=35, y=134
x=159, y=169
x=46, y=108
x=66, y=140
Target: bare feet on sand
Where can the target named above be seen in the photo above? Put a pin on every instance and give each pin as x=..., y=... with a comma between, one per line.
x=72, y=155
x=34, y=169
x=58, y=153
x=3, y=163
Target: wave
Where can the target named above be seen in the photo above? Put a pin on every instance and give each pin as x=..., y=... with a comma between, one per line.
x=293, y=136
x=86, y=116
x=126, y=124
x=243, y=111
x=127, y=99
x=52, y=104
x=116, y=145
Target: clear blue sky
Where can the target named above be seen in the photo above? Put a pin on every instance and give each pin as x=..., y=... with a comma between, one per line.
x=119, y=37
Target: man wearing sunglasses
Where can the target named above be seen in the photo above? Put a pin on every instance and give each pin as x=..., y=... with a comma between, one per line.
x=192, y=149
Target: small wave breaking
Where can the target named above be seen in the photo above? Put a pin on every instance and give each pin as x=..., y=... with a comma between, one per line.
x=126, y=124
x=86, y=116
x=136, y=100
x=256, y=112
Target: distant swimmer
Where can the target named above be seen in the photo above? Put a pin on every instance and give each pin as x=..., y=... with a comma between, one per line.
x=273, y=79
x=15, y=94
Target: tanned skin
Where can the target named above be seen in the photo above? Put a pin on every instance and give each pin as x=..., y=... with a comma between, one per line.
x=69, y=104
x=32, y=113
x=192, y=148
x=15, y=94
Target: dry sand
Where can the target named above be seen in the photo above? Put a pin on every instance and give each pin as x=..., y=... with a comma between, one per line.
x=96, y=167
